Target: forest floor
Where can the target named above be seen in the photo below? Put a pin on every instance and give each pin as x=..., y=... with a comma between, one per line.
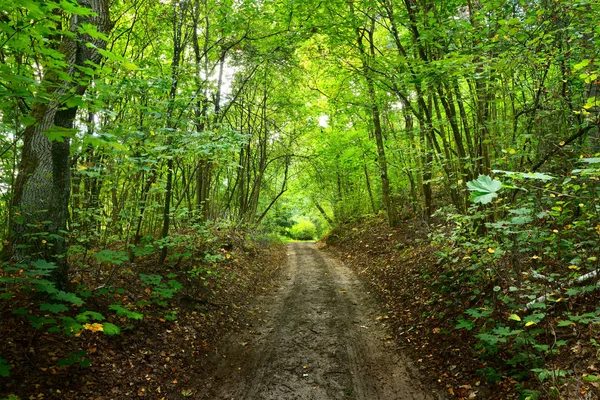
x=155, y=357
x=318, y=336
x=396, y=265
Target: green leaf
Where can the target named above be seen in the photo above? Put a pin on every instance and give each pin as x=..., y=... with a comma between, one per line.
x=591, y=378
x=92, y=31
x=465, y=324
x=581, y=65
x=111, y=329
x=70, y=326
x=68, y=297
x=130, y=66
x=58, y=134
x=484, y=189
x=53, y=308
x=89, y=315
x=514, y=317
x=111, y=257
x=125, y=312
x=490, y=339
x=595, y=160
x=175, y=285
x=79, y=358
x=565, y=323
x=4, y=368
x=152, y=279
x=42, y=267
x=73, y=7
x=534, y=318
x=537, y=175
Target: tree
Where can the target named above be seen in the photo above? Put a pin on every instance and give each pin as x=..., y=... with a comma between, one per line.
x=42, y=187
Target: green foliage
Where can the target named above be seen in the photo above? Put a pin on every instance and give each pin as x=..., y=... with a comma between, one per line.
x=124, y=311
x=4, y=368
x=553, y=219
x=304, y=229
x=111, y=329
x=484, y=189
x=79, y=358
x=161, y=291
x=111, y=257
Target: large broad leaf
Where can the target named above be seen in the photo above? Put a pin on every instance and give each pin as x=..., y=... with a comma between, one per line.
x=484, y=189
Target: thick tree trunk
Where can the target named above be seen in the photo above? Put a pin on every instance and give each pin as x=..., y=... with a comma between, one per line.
x=42, y=188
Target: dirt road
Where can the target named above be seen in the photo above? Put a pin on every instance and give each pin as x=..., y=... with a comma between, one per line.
x=318, y=338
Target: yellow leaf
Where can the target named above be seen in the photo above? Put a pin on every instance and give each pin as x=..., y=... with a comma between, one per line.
x=491, y=251
x=81, y=167
x=530, y=323
x=536, y=257
x=95, y=327
x=561, y=144
x=228, y=256
x=573, y=267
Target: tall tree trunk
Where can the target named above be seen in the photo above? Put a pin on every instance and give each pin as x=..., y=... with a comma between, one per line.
x=376, y=118
x=42, y=188
x=178, y=18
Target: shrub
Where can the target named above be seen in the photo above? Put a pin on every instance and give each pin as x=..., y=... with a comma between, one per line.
x=304, y=229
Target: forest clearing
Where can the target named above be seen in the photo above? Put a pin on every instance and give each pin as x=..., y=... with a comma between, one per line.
x=299, y=199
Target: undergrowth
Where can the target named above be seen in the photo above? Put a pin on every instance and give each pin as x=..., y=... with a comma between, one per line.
x=120, y=292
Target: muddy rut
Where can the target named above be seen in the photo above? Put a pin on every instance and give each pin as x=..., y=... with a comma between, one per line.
x=317, y=337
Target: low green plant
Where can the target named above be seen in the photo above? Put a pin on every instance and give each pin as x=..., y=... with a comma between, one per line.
x=545, y=229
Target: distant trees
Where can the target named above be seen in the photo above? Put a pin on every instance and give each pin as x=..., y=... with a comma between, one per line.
x=453, y=90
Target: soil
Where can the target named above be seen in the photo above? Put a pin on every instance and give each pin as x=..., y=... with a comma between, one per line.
x=319, y=336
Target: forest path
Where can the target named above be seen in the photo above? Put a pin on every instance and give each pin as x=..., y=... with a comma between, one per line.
x=319, y=338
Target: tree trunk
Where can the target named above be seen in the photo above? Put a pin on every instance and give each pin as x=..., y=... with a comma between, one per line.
x=178, y=17
x=376, y=117
x=42, y=188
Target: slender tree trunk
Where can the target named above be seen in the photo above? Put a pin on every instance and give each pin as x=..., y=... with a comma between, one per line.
x=178, y=18
x=368, y=182
x=376, y=118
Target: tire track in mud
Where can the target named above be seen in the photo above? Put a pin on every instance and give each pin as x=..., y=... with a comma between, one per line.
x=317, y=338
